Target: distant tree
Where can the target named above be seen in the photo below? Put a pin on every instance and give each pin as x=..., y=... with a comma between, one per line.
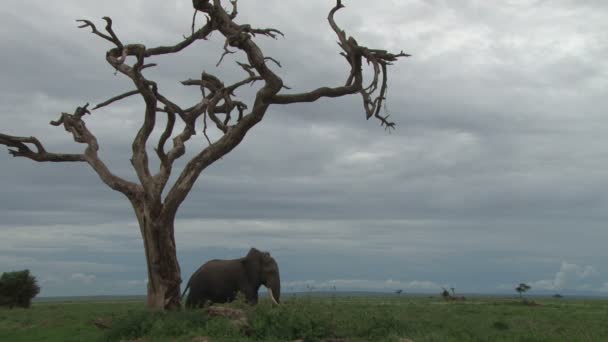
x=445, y=294
x=18, y=289
x=398, y=292
x=522, y=288
x=451, y=296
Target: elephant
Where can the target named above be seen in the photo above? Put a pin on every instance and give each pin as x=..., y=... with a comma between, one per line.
x=219, y=281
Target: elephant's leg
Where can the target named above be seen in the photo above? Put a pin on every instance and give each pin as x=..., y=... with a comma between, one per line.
x=194, y=301
x=251, y=295
x=200, y=302
x=189, y=302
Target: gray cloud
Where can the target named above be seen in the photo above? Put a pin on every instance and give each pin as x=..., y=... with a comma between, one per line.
x=569, y=276
x=496, y=168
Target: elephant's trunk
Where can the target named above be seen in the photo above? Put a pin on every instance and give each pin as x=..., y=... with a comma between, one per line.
x=274, y=290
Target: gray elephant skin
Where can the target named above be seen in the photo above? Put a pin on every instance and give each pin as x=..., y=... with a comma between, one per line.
x=219, y=281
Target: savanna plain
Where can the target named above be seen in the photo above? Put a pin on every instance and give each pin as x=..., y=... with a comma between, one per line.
x=315, y=318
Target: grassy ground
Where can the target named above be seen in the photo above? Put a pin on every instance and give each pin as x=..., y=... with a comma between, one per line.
x=314, y=319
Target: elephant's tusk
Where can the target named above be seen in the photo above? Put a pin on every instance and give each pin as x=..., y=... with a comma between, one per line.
x=272, y=296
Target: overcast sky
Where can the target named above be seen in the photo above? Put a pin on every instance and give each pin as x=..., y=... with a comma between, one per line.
x=495, y=175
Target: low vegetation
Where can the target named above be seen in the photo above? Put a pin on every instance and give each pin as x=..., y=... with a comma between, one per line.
x=309, y=318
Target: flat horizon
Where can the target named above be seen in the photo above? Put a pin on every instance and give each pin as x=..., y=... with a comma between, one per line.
x=325, y=293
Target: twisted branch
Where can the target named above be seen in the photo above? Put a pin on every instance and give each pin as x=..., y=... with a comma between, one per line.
x=40, y=155
x=354, y=54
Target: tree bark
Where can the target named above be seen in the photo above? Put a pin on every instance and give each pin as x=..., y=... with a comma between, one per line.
x=164, y=274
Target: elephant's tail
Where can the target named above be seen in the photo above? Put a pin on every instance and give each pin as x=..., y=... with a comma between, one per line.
x=185, y=290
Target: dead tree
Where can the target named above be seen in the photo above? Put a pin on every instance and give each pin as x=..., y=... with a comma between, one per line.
x=218, y=107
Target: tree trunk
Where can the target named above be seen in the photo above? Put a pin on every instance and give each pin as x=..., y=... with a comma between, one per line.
x=164, y=274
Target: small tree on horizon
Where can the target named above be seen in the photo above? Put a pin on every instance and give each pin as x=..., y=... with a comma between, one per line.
x=522, y=288
x=18, y=288
x=154, y=200
x=445, y=294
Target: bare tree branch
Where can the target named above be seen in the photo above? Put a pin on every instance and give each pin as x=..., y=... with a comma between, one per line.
x=201, y=33
x=226, y=52
x=179, y=142
x=40, y=155
x=74, y=124
x=88, y=23
x=117, y=58
x=354, y=54
x=235, y=10
x=270, y=32
x=160, y=149
x=116, y=98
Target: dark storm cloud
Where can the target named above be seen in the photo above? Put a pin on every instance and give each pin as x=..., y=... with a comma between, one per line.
x=498, y=159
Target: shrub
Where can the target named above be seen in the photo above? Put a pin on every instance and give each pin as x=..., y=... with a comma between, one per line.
x=500, y=325
x=17, y=289
x=165, y=326
x=294, y=319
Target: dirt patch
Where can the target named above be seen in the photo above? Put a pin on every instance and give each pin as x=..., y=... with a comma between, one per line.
x=200, y=339
x=222, y=311
x=236, y=316
x=532, y=303
x=101, y=323
x=326, y=340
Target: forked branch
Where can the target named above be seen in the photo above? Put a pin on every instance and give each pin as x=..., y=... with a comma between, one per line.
x=40, y=155
x=74, y=124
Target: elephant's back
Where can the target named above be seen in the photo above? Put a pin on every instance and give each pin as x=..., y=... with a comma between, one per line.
x=218, y=263
x=218, y=268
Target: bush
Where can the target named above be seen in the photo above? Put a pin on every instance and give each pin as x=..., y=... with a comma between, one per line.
x=292, y=320
x=166, y=326
x=17, y=289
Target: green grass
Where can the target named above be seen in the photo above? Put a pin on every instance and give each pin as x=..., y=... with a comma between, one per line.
x=315, y=318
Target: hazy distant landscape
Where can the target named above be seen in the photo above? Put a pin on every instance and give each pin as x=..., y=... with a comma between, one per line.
x=321, y=294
